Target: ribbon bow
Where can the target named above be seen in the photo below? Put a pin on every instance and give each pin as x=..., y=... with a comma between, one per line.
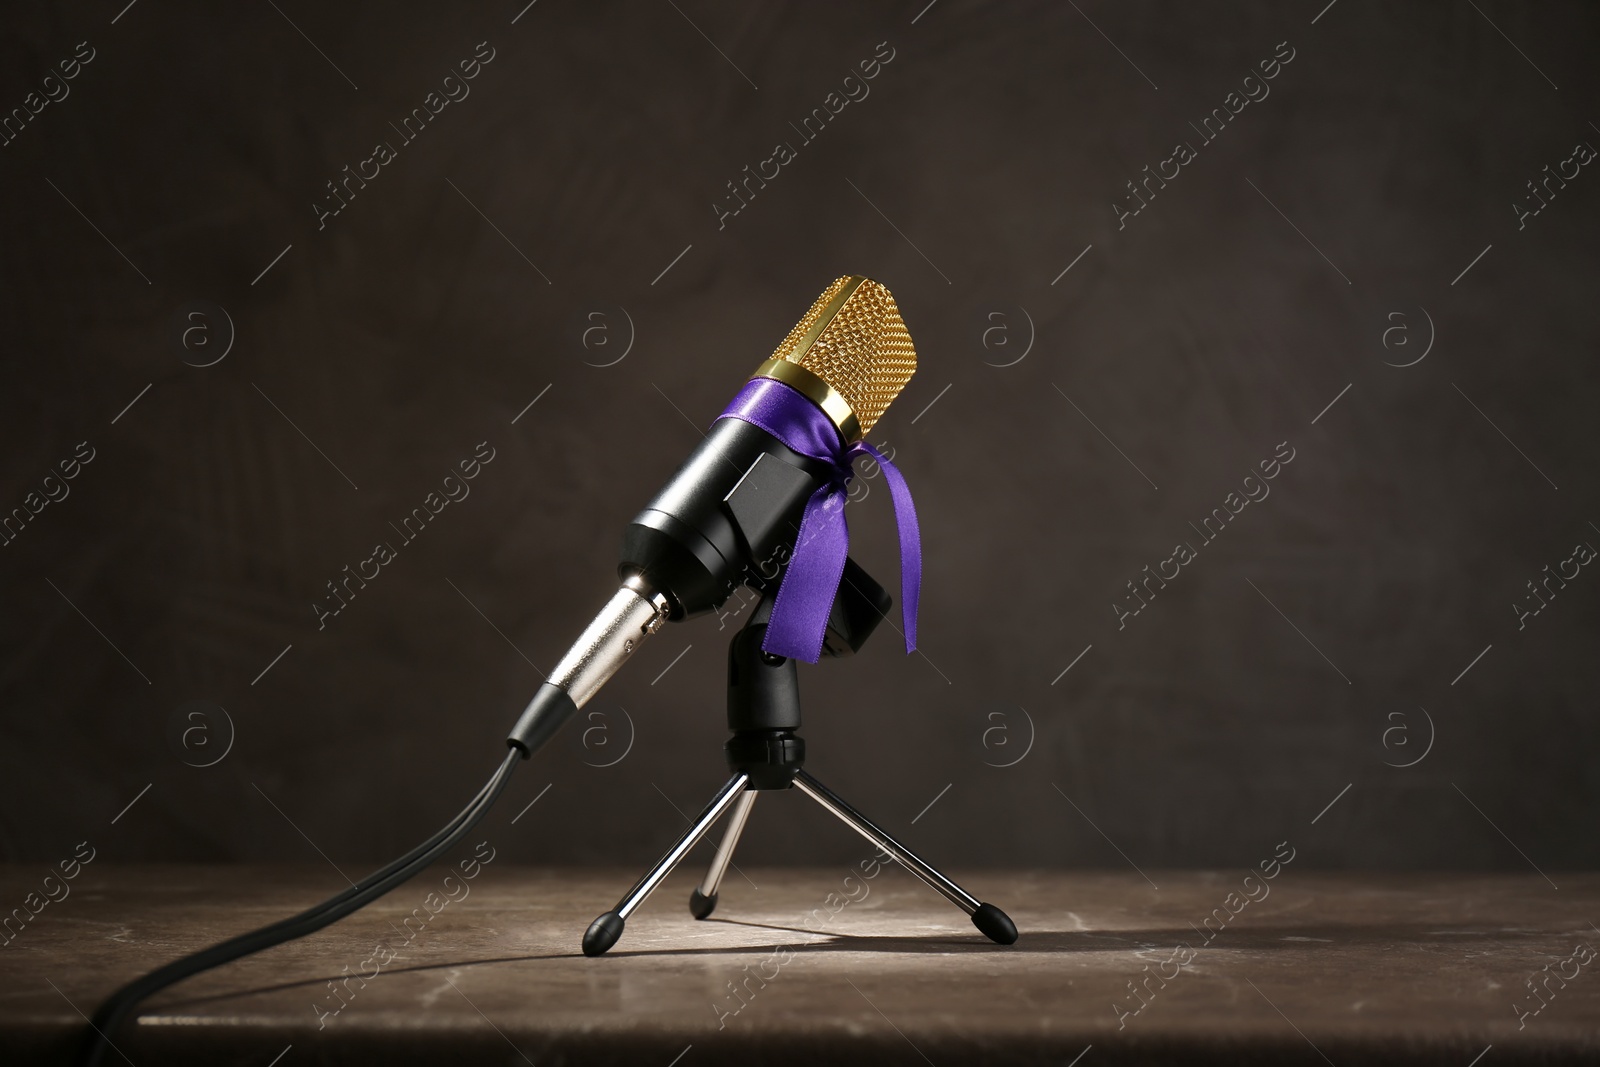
x=805, y=596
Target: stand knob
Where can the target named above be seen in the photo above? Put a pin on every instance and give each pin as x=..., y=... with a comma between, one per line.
x=604, y=931
x=991, y=922
x=700, y=905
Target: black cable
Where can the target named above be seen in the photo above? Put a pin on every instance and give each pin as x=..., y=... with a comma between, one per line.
x=116, y=1008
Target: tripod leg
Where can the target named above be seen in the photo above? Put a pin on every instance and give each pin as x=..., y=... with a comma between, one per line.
x=703, y=901
x=605, y=930
x=990, y=920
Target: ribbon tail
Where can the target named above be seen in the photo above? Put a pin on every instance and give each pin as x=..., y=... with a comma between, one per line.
x=905, y=515
x=805, y=597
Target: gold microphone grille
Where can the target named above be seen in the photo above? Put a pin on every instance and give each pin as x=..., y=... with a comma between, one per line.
x=854, y=339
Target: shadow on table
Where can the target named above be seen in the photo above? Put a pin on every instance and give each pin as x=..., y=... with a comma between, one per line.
x=1042, y=942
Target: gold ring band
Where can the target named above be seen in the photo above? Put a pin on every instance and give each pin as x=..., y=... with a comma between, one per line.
x=817, y=391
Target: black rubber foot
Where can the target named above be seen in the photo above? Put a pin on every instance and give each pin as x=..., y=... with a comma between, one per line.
x=993, y=923
x=701, y=905
x=604, y=931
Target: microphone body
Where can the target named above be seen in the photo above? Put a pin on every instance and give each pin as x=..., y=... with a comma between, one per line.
x=731, y=513
x=728, y=516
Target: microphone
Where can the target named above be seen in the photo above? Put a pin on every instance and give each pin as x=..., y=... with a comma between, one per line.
x=762, y=492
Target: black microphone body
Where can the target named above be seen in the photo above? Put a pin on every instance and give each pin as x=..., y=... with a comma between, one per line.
x=728, y=516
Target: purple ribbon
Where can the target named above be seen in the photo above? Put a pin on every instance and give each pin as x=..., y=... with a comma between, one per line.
x=800, y=613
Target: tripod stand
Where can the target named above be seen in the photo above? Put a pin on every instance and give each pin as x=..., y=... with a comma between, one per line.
x=765, y=753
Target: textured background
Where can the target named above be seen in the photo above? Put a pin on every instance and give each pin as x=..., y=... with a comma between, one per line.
x=1052, y=457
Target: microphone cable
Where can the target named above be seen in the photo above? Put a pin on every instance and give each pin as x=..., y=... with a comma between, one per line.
x=110, y=1015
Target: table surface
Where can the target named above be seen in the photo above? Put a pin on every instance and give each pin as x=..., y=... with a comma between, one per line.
x=837, y=964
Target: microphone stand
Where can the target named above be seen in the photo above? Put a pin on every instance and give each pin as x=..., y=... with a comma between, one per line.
x=766, y=753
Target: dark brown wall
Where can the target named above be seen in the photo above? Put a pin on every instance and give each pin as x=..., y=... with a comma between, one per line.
x=1293, y=656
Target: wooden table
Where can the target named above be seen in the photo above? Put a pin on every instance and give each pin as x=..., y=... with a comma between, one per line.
x=829, y=965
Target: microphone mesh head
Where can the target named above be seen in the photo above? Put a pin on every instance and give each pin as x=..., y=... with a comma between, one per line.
x=854, y=339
